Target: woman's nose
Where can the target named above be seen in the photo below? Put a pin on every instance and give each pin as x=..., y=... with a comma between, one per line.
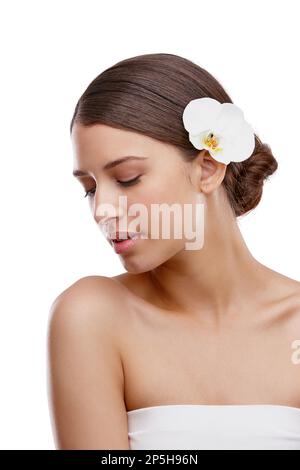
x=106, y=208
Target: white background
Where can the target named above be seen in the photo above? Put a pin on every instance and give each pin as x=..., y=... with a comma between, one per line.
x=50, y=52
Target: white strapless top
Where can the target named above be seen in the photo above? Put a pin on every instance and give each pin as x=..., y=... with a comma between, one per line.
x=215, y=427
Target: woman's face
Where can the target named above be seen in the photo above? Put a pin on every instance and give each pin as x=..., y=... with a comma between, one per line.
x=160, y=176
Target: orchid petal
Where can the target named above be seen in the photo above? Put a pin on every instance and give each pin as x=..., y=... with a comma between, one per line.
x=228, y=120
x=200, y=114
x=242, y=146
x=196, y=140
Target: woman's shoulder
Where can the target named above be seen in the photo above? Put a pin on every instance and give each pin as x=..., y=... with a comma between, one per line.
x=294, y=302
x=288, y=294
x=86, y=381
x=89, y=288
x=90, y=297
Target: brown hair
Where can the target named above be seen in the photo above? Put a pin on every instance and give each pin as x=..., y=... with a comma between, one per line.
x=148, y=93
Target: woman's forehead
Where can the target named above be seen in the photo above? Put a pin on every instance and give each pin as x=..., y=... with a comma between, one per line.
x=107, y=143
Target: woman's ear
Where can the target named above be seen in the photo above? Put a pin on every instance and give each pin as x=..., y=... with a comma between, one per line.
x=207, y=173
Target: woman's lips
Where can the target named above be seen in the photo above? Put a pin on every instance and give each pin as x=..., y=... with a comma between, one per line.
x=124, y=243
x=120, y=246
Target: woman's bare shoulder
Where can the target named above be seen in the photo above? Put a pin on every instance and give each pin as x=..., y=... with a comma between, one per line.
x=295, y=305
x=96, y=284
x=99, y=297
x=86, y=372
x=288, y=292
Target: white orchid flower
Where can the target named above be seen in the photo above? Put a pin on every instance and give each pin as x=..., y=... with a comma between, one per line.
x=220, y=128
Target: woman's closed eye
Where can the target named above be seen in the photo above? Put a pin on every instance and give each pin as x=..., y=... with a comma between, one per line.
x=91, y=192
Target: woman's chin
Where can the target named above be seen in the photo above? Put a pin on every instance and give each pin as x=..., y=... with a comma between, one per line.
x=154, y=253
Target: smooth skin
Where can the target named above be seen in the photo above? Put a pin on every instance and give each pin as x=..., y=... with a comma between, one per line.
x=211, y=326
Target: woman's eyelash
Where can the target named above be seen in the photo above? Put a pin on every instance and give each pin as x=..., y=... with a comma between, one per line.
x=91, y=192
x=129, y=182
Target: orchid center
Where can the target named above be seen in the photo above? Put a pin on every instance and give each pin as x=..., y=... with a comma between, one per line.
x=212, y=142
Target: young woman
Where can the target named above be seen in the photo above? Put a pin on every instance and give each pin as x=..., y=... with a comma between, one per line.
x=190, y=348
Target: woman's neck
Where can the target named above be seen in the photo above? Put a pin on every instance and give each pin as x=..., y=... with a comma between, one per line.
x=220, y=277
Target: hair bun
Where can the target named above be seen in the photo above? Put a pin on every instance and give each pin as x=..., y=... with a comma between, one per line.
x=244, y=181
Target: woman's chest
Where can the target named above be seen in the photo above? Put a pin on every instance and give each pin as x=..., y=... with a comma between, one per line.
x=168, y=360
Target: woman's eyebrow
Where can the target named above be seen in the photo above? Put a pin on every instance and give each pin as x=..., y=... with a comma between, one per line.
x=112, y=164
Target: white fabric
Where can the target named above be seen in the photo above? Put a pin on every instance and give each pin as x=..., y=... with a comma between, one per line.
x=267, y=427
